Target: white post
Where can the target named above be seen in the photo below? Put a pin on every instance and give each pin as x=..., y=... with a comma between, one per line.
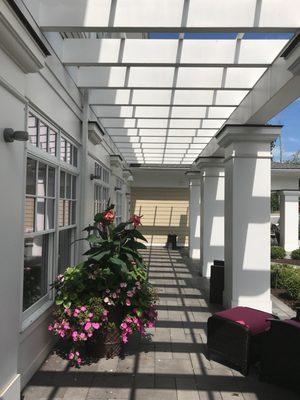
x=212, y=216
x=289, y=219
x=247, y=214
x=194, y=217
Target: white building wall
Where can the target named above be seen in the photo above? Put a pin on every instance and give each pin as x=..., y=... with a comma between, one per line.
x=52, y=93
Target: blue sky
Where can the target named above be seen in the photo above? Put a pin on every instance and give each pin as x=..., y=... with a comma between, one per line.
x=290, y=119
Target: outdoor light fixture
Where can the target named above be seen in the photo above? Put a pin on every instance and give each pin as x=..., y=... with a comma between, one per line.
x=93, y=176
x=117, y=188
x=10, y=135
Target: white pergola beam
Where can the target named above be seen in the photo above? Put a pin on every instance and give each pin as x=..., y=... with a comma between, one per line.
x=169, y=15
x=114, y=111
x=160, y=132
x=170, y=52
x=166, y=97
x=164, y=77
x=162, y=123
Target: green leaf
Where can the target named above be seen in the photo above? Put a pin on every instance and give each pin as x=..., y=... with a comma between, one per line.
x=98, y=217
x=94, y=239
x=119, y=263
x=67, y=304
x=137, y=234
x=100, y=255
x=59, y=301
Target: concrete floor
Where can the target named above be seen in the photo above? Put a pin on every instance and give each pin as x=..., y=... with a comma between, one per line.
x=171, y=362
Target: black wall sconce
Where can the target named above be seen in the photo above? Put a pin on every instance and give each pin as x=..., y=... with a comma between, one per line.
x=10, y=135
x=117, y=188
x=93, y=176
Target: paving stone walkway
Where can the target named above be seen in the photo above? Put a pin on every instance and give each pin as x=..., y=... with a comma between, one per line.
x=168, y=365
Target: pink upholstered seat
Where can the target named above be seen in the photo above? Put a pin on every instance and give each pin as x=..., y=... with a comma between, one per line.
x=255, y=320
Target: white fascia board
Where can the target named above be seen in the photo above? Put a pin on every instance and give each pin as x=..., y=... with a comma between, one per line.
x=18, y=43
x=159, y=52
x=169, y=15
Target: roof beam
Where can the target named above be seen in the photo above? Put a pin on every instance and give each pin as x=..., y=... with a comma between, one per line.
x=163, y=52
x=191, y=78
x=176, y=112
x=169, y=15
x=161, y=123
x=150, y=97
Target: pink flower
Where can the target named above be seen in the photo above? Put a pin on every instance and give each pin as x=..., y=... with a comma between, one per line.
x=77, y=353
x=91, y=315
x=114, y=295
x=123, y=284
x=130, y=293
x=150, y=324
x=83, y=308
x=75, y=336
x=71, y=356
x=96, y=325
x=78, y=361
x=123, y=325
x=106, y=300
x=105, y=313
x=90, y=334
x=124, y=339
x=136, y=220
x=128, y=302
x=82, y=336
x=50, y=328
x=87, y=326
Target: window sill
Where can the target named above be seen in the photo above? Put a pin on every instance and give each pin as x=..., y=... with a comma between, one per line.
x=37, y=317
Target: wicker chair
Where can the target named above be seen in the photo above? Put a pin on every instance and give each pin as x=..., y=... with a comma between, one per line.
x=236, y=335
x=281, y=352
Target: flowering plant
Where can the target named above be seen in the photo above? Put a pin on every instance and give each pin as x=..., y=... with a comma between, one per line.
x=111, y=281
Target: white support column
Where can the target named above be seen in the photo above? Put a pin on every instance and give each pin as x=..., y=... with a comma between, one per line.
x=194, y=216
x=247, y=214
x=289, y=219
x=212, y=216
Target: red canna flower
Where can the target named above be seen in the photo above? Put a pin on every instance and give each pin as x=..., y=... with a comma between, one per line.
x=136, y=220
x=109, y=216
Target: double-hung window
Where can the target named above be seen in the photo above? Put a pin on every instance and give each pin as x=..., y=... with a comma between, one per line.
x=119, y=201
x=50, y=212
x=101, y=188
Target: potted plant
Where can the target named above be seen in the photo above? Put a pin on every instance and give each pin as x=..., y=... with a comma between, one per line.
x=106, y=298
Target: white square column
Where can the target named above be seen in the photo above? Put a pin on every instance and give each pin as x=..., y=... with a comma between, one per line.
x=247, y=214
x=289, y=219
x=212, y=215
x=194, y=215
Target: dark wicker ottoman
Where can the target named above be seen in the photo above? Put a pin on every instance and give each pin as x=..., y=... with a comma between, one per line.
x=281, y=353
x=236, y=335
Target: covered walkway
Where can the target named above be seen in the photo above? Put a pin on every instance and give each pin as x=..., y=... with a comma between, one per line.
x=170, y=363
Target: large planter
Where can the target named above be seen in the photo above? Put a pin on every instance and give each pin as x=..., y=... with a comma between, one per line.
x=109, y=343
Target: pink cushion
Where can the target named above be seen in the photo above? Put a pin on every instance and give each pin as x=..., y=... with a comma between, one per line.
x=293, y=322
x=255, y=320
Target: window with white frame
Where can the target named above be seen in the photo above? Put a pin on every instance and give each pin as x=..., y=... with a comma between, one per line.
x=38, y=229
x=119, y=201
x=68, y=152
x=101, y=188
x=42, y=135
x=50, y=211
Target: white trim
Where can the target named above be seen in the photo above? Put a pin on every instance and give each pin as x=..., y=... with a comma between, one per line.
x=12, y=391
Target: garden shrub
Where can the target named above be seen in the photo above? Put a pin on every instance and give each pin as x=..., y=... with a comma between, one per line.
x=286, y=277
x=277, y=252
x=296, y=254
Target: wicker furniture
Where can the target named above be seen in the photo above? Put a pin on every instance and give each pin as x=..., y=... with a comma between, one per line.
x=235, y=335
x=216, y=282
x=281, y=352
